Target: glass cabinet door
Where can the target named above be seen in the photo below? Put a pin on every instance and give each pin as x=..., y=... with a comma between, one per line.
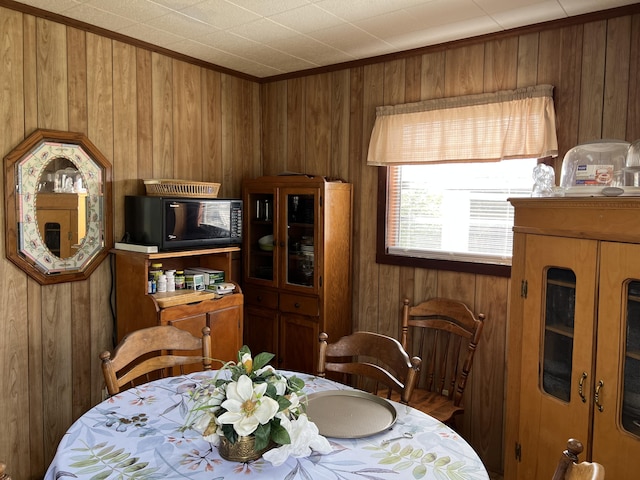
x=630, y=417
x=301, y=252
x=559, y=316
x=259, y=217
x=616, y=416
x=559, y=298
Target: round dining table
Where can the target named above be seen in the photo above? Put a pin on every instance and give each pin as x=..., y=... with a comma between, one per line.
x=140, y=433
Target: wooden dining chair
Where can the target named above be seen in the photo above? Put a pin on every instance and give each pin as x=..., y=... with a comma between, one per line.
x=569, y=469
x=374, y=356
x=3, y=474
x=164, y=350
x=445, y=334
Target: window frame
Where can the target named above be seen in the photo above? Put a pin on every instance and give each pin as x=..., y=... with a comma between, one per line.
x=383, y=257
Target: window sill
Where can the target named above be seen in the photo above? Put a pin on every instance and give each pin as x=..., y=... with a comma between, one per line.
x=449, y=265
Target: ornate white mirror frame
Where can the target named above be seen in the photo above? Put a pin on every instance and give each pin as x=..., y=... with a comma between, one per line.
x=24, y=171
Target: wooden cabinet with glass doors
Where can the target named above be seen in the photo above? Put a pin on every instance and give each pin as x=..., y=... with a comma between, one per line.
x=297, y=266
x=574, y=335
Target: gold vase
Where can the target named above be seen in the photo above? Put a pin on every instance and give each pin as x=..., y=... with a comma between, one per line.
x=244, y=450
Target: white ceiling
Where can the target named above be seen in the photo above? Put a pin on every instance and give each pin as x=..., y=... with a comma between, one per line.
x=264, y=38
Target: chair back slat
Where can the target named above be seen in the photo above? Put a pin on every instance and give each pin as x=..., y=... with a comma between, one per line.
x=155, y=352
x=378, y=358
x=445, y=332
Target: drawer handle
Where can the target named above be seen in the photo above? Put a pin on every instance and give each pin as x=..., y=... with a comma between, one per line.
x=583, y=377
x=297, y=305
x=597, y=396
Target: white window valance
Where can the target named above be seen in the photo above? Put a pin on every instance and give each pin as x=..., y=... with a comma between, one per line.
x=486, y=127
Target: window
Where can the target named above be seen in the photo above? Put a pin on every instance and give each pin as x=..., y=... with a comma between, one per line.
x=444, y=177
x=455, y=211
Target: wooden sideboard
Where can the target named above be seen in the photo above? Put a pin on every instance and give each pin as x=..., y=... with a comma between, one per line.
x=136, y=308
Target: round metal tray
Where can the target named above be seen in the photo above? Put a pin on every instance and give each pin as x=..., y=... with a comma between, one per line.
x=349, y=413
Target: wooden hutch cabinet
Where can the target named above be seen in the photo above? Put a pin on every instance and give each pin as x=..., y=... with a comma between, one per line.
x=574, y=335
x=136, y=309
x=296, y=266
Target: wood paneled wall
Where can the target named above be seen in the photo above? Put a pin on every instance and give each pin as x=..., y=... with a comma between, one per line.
x=321, y=124
x=154, y=117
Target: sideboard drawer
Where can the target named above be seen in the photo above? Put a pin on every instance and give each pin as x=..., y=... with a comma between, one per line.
x=299, y=304
x=261, y=298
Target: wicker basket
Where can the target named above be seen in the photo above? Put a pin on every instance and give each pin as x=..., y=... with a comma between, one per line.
x=181, y=188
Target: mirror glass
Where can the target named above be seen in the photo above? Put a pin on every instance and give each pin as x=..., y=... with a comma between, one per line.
x=59, y=206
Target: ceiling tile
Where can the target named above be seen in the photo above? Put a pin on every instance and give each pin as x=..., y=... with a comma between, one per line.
x=307, y=18
x=138, y=11
x=95, y=16
x=538, y=12
x=271, y=7
x=577, y=7
x=182, y=26
x=149, y=34
x=352, y=40
x=219, y=13
x=263, y=30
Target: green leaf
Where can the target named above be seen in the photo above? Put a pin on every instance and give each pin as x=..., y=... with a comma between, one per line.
x=104, y=451
x=420, y=471
x=295, y=383
x=127, y=463
x=136, y=467
x=242, y=351
x=406, y=450
x=416, y=454
x=280, y=435
x=95, y=468
x=442, y=461
x=270, y=391
x=403, y=465
x=85, y=463
x=262, y=434
x=113, y=454
x=101, y=475
x=390, y=459
x=261, y=360
x=429, y=457
x=284, y=403
x=229, y=433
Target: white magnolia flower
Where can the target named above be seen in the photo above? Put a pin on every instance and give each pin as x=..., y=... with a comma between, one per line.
x=305, y=437
x=247, y=361
x=206, y=406
x=247, y=406
x=266, y=368
x=280, y=383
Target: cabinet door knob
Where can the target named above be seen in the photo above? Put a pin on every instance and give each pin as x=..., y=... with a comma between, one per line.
x=597, y=396
x=583, y=377
x=259, y=298
x=297, y=305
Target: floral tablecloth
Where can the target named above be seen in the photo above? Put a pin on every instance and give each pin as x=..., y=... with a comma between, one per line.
x=140, y=434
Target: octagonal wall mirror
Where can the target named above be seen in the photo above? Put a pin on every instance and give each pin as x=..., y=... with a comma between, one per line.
x=57, y=206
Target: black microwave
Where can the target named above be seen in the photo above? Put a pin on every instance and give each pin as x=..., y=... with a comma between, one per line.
x=178, y=223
